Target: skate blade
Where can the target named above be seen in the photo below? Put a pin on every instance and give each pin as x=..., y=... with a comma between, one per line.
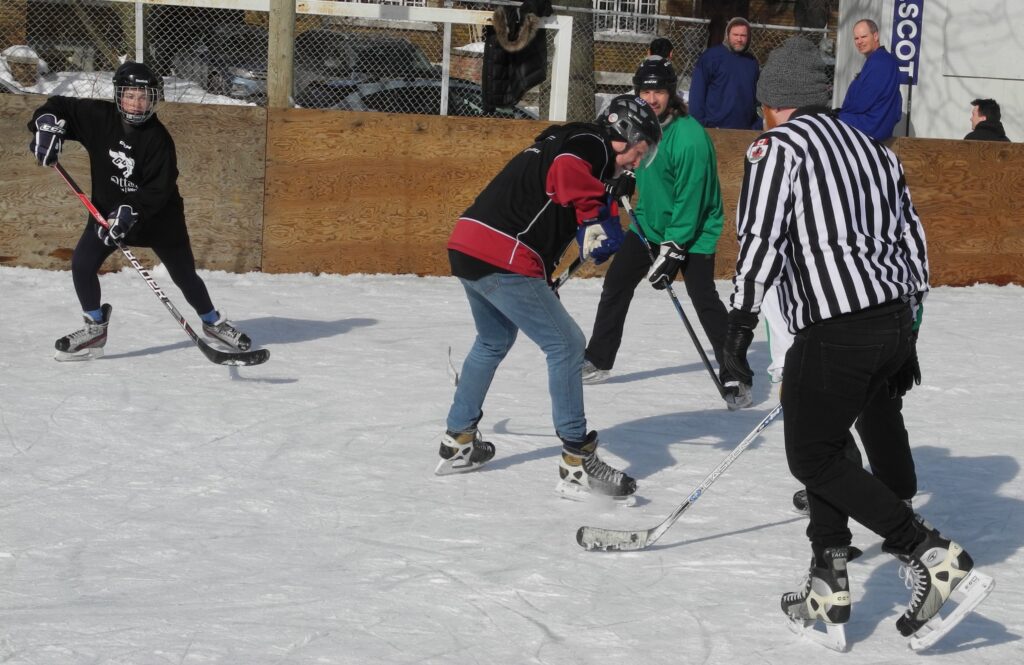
x=967, y=595
x=449, y=467
x=583, y=495
x=832, y=637
x=84, y=354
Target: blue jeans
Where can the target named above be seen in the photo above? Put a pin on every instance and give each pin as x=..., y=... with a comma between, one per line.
x=502, y=304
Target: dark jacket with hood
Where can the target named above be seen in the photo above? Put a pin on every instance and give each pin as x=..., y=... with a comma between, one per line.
x=515, y=54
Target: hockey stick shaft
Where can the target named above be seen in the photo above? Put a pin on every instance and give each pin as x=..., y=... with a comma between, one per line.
x=220, y=357
x=569, y=272
x=612, y=539
x=675, y=300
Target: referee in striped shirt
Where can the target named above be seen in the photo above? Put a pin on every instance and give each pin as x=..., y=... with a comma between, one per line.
x=825, y=214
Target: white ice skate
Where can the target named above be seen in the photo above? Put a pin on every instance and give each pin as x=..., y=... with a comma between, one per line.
x=937, y=571
x=85, y=343
x=226, y=333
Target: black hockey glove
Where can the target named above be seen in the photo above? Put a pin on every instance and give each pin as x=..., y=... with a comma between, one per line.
x=738, y=335
x=909, y=373
x=624, y=185
x=120, y=222
x=666, y=265
x=48, y=139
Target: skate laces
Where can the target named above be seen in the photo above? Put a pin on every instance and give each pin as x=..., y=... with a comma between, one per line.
x=597, y=469
x=88, y=332
x=914, y=576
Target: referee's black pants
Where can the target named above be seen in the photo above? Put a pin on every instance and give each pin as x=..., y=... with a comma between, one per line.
x=630, y=265
x=833, y=372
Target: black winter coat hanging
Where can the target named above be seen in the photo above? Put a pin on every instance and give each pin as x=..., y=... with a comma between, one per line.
x=515, y=54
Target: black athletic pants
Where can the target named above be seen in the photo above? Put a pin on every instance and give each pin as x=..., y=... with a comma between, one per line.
x=833, y=373
x=630, y=265
x=90, y=253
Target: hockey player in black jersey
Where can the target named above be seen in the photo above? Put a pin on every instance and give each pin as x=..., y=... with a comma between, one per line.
x=134, y=183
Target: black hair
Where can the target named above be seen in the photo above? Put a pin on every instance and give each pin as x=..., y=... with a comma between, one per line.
x=988, y=108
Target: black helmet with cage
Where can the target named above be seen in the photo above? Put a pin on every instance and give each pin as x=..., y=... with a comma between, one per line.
x=655, y=73
x=629, y=118
x=135, y=75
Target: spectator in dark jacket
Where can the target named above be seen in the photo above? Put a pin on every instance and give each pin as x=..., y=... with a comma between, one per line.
x=985, y=122
x=724, y=80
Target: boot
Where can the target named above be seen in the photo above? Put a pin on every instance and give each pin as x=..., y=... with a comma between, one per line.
x=581, y=471
x=463, y=451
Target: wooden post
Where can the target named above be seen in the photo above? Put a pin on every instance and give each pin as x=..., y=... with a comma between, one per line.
x=280, y=53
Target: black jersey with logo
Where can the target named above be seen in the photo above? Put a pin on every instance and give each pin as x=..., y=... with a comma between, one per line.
x=130, y=165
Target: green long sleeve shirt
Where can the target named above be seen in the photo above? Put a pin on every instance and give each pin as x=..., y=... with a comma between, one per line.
x=679, y=197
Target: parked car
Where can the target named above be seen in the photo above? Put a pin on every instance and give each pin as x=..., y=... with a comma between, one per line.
x=324, y=55
x=422, y=96
x=228, y=60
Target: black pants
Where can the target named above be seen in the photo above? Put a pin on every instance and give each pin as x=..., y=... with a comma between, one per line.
x=90, y=253
x=834, y=373
x=882, y=420
x=630, y=266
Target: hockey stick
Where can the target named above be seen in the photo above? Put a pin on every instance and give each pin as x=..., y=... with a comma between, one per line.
x=564, y=277
x=254, y=357
x=595, y=538
x=675, y=301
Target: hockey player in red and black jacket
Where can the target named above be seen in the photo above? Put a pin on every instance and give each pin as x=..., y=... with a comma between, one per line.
x=504, y=248
x=135, y=183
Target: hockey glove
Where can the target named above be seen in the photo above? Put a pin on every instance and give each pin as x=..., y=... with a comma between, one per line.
x=624, y=185
x=738, y=335
x=48, y=139
x=601, y=237
x=667, y=265
x=120, y=222
x=909, y=373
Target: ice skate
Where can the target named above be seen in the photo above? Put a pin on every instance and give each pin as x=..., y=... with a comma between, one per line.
x=593, y=375
x=826, y=598
x=86, y=343
x=583, y=475
x=463, y=451
x=938, y=570
x=225, y=332
x=737, y=395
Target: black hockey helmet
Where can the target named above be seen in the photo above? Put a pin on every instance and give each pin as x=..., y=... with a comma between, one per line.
x=629, y=118
x=137, y=75
x=655, y=73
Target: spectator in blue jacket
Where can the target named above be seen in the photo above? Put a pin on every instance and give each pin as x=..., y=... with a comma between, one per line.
x=873, y=103
x=722, y=92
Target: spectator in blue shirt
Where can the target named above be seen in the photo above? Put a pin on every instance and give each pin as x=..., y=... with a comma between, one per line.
x=722, y=92
x=873, y=103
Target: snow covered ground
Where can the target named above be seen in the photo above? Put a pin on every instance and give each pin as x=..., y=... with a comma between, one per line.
x=156, y=508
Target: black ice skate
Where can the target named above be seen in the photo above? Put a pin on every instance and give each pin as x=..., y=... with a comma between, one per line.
x=463, y=451
x=86, y=343
x=936, y=571
x=582, y=473
x=225, y=332
x=825, y=597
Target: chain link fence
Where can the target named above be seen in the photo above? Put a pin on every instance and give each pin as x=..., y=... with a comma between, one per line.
x=208, y=54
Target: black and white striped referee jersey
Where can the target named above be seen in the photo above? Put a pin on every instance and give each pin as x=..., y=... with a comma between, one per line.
x=825, y=214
